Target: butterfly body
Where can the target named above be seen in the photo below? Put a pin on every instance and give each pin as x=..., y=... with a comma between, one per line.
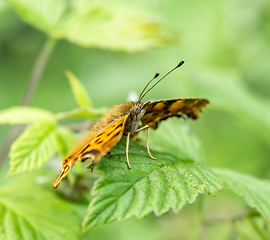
x=125, y=120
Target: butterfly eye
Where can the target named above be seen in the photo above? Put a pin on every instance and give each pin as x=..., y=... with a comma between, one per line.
x=137, y=109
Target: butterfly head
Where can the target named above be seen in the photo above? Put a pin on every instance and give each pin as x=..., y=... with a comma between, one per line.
x=135, y=115
x=139, y=109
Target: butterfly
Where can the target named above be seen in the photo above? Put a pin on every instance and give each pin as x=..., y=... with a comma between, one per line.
x=126, y=120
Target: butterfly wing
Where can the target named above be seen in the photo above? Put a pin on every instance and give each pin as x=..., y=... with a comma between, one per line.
x=94, y=147
x=160, y=110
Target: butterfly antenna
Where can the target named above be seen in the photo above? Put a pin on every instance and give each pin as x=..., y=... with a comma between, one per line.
x=157, y=74
x=142, y=96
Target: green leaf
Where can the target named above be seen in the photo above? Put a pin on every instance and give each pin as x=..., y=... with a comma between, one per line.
x=116, y=26
x=78, y=90
x=33, y=211
x=253, y=228
x=66, y=139
x=34, y=147
x=25, y=115
x=173, y=136
x=256, y=192
x=45, y=15
x=149, y=186
x=82, y=112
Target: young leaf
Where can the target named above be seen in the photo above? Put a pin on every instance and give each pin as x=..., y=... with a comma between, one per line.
x=106, y=25
x=78, y=90
x=32, y=211
x=149, y=186
x=35, y=146
x=82, y=112
x=174, y=137
x=255, y=191
x=25, y=115
x=45, y=15
x=114, y=26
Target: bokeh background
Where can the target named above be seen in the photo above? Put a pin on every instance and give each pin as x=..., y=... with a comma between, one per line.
x=226, y=47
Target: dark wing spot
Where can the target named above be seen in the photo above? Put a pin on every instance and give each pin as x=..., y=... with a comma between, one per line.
x=84, y=148
x=152, y=105
x=167, y=104
x=92, y=152
x=120, y=125
x=100, y=134
x=115, y=135
x=98, y=142
x=109, y=133
x=106, y=143
x=166, y=111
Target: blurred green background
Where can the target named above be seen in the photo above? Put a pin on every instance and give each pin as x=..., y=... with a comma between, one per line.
x=226, y=46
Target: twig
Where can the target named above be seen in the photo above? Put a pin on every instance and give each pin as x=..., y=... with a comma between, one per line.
x=28, y=94
x=38, y=70
x=232, y=218
x=210, y=221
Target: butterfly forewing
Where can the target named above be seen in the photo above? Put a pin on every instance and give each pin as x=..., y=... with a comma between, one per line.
x=94, y=148
x=160, y=110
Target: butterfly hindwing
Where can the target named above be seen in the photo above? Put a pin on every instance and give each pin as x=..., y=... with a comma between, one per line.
x=95, y=148
x=160, y=110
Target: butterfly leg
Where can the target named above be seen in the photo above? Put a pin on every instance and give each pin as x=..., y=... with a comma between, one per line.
x=147, y=136
x=127, y=146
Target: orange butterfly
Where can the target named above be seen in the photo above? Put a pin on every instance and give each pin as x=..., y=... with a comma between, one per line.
x=124, y=120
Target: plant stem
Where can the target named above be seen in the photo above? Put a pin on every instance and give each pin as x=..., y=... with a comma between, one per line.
x=200, y=218
x=38, y=70
x=211, y=221
x=33, y=80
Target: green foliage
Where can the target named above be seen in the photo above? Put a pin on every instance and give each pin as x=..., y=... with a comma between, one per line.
x=43, y=138
x=32, y=211
x=78, y=90
x=170, y=182
x=82, y=113
x=228, y=63
x=25, y=115
x=256, y=192
x=253, y=227
x=90, y=23
x=232, y=96
x=175, y=138
x=149, y=186
x=35, y=146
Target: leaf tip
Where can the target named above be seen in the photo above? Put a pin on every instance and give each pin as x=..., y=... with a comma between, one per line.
x=68, y=73
x=10, y=173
